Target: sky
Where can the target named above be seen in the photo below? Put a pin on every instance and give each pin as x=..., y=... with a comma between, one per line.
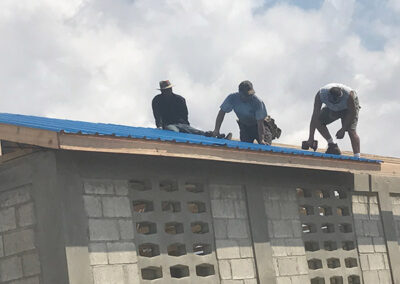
x=102, y=60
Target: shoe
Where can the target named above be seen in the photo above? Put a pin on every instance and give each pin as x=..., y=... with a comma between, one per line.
x=228, y=136
x=333, y=149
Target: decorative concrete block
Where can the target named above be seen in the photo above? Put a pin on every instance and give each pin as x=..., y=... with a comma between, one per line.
x=110, y=274
x=126, y=229
x=221, y=228
x=246, y=248
x=283, y=280
x=98, y=187
x=243, y=268
x=20, y=241
x=121, y=188
x=10, y=269
x=16, y=196
x=26, y=215
x=103, y=229
x=227, y=249
x=278, y=247
x=376, y=261
x=223, y=208
x=116, y=207
x=288, y=266
x=282, y=229
x=365, y=245
x=98, y=253
x=371, y=277
x=371, y=228
x=225, y=269
x=121, y=253
x=92, y=205
x=237, y=229
x=294, y=247
x=7, y=219
x=240, y=209
x=379, y=244
x=31, y=264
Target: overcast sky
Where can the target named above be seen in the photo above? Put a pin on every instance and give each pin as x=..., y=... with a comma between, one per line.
x=101, y=60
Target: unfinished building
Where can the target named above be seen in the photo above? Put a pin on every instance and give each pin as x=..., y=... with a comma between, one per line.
x=108, y=204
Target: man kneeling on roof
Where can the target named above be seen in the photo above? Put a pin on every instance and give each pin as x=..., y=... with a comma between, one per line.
x=340, y=102
x=171, y=113
x=254, y=124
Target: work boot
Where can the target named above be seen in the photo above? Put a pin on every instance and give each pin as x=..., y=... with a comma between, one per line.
x=333, y=149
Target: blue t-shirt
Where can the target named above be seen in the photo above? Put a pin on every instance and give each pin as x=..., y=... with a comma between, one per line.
x=248, y=111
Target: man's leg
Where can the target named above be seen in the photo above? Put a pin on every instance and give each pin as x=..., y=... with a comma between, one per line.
x=355, y=141
x=326, y=117
x=186, y=128
x=245, y=133
x=172, y=127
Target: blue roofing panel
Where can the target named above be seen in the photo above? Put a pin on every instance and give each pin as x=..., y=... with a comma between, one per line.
x=89, y=128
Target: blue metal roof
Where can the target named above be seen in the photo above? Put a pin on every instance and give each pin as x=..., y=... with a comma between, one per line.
x=89, y=128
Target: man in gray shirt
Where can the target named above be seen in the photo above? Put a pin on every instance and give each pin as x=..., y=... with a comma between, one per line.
x=251, y=113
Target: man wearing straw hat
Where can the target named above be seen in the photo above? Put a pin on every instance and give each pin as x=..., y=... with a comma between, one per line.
x=171, y=113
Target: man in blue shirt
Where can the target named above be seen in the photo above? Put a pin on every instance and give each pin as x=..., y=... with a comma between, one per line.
x=251, y=113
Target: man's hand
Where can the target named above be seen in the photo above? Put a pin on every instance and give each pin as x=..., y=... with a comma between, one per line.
x=262, y=142
x=215, y=133
x=340, y=133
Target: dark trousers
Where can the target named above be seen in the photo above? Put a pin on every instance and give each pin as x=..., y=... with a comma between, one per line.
x=250, y=133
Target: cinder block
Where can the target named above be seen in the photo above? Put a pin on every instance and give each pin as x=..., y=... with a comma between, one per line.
x=223, y=208
x=119, y=253
x=30, y=280
x=26, y=215
x=359, y=228
x=379, y=244
x=16, y=196
x=384, y=276
x=221, y=228
x=116, y=207
x=288, y=266
x=365, y=245
x=98, y=253
x=103, y=230
x=371, y=228
x=289, y=210
x=302, y=279
x=92, y=205
x=110, y=274
x=282, y=229
x=360, y=211
x=232, y=282
x=31, y=264
x=376, y=261
x=276, y=267
x=283, y=280
x=250, y=281
x=386, y=261
x=20, y=241
x=246, y=248
x=364, y=262
x=302, y=265
x=126, y=229
x=278, y=247
x=294, y=247
x=234, y=192
x=273, y=210
x=1, y=247
x=296, y=228
x=10, y=269
x=240, y=209
x=121, y=188
x=7, y=219
x=237, y=229
x=225, y=269
x=132, y=274
x=242, y=268
x=374, y=213
x=371, y=277
x=98, y=187
x=227, y=249
x=273, y=195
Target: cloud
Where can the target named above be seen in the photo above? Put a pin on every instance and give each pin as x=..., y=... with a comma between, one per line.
x=102, y=60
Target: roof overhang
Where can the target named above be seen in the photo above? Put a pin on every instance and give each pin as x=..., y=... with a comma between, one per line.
x=121, y=145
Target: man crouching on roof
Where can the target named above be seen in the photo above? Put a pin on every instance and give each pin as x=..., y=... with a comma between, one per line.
x=340, y=102
x=251, y=113
x=171, y=113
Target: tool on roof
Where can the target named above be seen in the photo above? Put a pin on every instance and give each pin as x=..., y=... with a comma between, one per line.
x=306, y=146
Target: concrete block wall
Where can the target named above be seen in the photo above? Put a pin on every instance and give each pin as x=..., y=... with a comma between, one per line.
x=396, y=215
x=370, y=239
x=112, y=250
x=19, y=258
x=285, y=233
x=232, y=234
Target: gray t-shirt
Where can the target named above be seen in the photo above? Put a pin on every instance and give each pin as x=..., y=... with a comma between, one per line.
x=341, y=104
x=248, y=112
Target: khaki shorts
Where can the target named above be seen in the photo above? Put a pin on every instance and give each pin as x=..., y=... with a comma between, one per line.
x=328, y=116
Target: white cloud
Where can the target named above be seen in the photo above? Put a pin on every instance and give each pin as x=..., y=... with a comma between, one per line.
x=102, y=60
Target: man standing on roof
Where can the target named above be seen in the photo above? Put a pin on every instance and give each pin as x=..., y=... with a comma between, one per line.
x=340, y=102
x=171, y=113
x=251, y=113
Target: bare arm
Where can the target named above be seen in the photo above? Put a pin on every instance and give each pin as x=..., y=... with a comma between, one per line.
x=315, y=116
x=351, y=114
x=218, y=122
x=156, y=113
x=261, y=131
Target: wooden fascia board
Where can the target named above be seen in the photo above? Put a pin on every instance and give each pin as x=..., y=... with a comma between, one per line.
x=31, y=136
x=109, y=144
